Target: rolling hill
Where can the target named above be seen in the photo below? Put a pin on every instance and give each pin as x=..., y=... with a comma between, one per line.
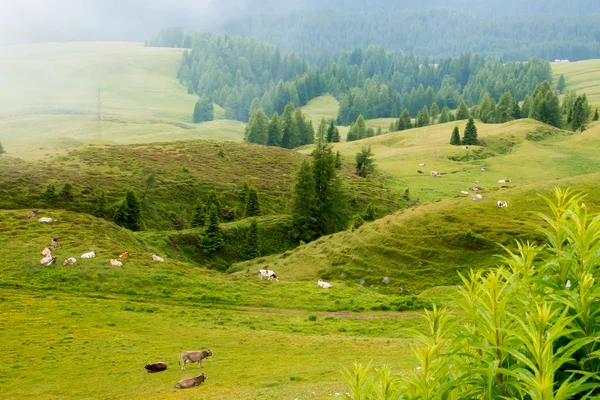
x=582, y=76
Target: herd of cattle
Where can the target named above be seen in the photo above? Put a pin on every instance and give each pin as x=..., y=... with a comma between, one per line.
x=476, y=196
x=184, y=358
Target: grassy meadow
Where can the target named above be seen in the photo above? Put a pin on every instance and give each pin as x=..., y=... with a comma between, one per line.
x=582, y=76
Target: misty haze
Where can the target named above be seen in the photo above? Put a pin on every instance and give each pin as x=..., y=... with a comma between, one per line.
x=312, y=200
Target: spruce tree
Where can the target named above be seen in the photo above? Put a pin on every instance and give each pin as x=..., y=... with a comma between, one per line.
x=257, y=129
x=336, y=135
x=134, y=218
x=404, y=121
x=455, y=137
x=252, y=203
x=561, y=85
x=212, y=239
x=322, y=131
x=50, y=196
x=275, y=133
x=504, y=109
x=251, y=247
x=330, y=132
x=291, y=135
x=213, y=200
x=338, y=160
x=435, y=110
x=304, y=222
x=596, y=116
x=516, y=111
x=545, y=106
x=422, y=117
x=121, y=215
x=444, y=116
x=470, y=135
x=463, y=111
x=67, y=192
x=365, y=163
x=203, y=110
x=199, y=217
x=100, y=206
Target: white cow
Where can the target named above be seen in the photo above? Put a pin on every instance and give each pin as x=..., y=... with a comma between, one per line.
x=435, y=173
x=501, y=181
x=91, y=254
x=157, y=258
x=46, y=219
x=48, y=260
x=483, y=169
x=422, y=164
x=46, y=252
x=70, y=261
x=501, y=203
x=464, y=192
x=477, y=197
x=323, y=284
x=115, y=263
x=267, y=273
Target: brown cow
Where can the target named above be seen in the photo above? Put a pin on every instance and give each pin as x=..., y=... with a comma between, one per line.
x=54, y=243
x=156, y=367
x=125, y=254
x=187, y=383
x=193, y=356
x=31, y=214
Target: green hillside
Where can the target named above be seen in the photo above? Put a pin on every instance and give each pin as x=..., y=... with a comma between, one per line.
x=582, y=76
x=49, y=98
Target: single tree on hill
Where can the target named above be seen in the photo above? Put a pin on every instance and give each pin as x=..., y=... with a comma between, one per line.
x=304, y=210
x=275, y=131
x=203, y=110
x=251, y=248
x=199, y=217
x=358, y=130
x=252, y=203
x=561, y=85
x=128, y=214
x=100, y=206
x=455, y=137
x=212, y=239
x=67, y=192
x=470, y=135
x=463, y=111
x=365, y=162
x=596, y=116
x=545, y=106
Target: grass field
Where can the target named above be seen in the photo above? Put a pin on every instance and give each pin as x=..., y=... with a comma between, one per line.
x=49, y=98
x=582, y=76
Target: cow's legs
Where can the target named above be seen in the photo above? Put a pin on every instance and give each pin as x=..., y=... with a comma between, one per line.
x=199, y=362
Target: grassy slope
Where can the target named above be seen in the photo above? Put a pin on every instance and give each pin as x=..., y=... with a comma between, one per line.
x=49, y=98
x=582, y=76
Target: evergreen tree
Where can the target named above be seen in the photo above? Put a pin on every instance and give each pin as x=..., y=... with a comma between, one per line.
x=121, y=215
x=463, y=111
x=199, y=217
x=291, y=135
x=203, y=110
x=455, y=138
x=358, y=130
x=516, y=111
x=331, y=132
x=212, y=239
x=2, y=149
x=213, y=200
x=306, y=131
x=251, y=248
x=561, y=85
x=133, y=215
x=358, y=222
x=369, y=213
x=252, y=204
x=470, y=135
x=444, y=116
x=322, y=131
x=422, y=117
x=595, y=115
x=100, y=206
x=579, y=115
x=404, y=121
x=338, y=159
x=67, y=192
x=257, y=129
x=275, y=133
x=304, y=210
x=504, y=109
x=336, y=135
x=365, y=163
x=50, y=196
x=434, y=112
x=487, y=108
x=545, y=106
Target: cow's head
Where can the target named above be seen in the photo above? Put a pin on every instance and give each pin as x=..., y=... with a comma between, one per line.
x=207, y=353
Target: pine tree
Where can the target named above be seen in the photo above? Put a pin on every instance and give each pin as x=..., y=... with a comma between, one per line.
x=338, y=159
x=203, y=110
x=275, y=133
x=404, y=121
x=504, y=109
x=579, y=113
x=331, y=132
x=596, y=116
x=365, y=163
x=133, y=220
x=322, y=131
x=435, y=110
x=252, y=203
x=545, y=106
x=455, y=138
x=121, y=215
x=463, y=111
x=422, y=117
x=257, y=129
x=212, y=239
x=291, y=135
x=561, y=85
x=304, y=223
x=251, y=248
x=100, y=206
x=50, y=195
x=516, y=111
x=199, y=217
x=67, y=192
x=470, y=135
x=369, y=213
x=336, y=135
x=444, y=116
x=213, y=200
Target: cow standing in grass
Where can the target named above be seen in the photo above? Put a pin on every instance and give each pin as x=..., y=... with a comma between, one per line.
x=193, y=356
x=267, y=273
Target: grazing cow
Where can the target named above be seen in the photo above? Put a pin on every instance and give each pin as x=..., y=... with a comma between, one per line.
x=156, y=367
x=506, y=180
x=476, y=188
x=323, y=284
x=477, y=197
x=193, y=356
x=267, y=273
x=435, y=173
x=501, y=181
x=54, y=243
x=91, y=254
x=422, y=165
x=157, y=258
x=48, y=260
x=464, y=192
x=46, y=219
x=115, y=263
x=503, y=187
x=31, y=214
x=501, y=203
x=483, y=169
x=46, y=252
x=420, y=171
x=465, y=147
x=70, y=261
x=125, y=254
x=187, y=383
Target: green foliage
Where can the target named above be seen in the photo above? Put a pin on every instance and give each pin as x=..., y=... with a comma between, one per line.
x=455, y=137
x=596, y=116
x=333, y=133
x=199, y=217
x=203, y=110
x=444, y=116
x=2, y=151
x=527, y=329
x=66, y=192
x=358, y=222
x=100, y=205
x=291, y=132
x=252, y=208
x=422, y=117
x=504, y=109
x=404, y=121
x=275, y=132
x=251, y=247
x=516, y=111
x=580, y=113
x=304, y=210
x=561, y=84
x=50, y=196
x=257, y=130
x=358, y=130
x=369, y=214
x=435, y=111
x=463, y=111
x=128, y=215
x=338, y=160
x=470, y=134
x=365, y=162
x=545, y=105
x=212, y=239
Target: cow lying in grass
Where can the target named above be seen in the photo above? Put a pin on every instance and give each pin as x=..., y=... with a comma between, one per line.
x=70, y=261
x=91, y=254
x=323, y=284
x=46, y=219
x=31, y=214
x=157, y=258
x=46, y=252
x=193, y=356
x=156, y=367
x=115, y=263
x=187, y=383
x=48, y=260
x=501, y=203
x=267, y=273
